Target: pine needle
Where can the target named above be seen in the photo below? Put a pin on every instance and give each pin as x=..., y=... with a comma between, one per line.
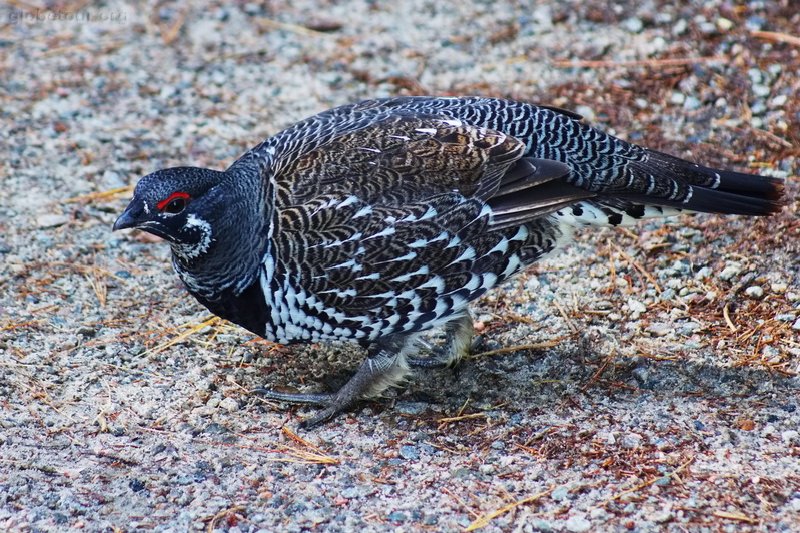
x=521, y=348
x=101, y=195
x=640, y=486
x=776, y=37
x=735, y=516
x=484, y=520
x=211, y=321
x=285, y=26
x=728, y=320
x=666, y=62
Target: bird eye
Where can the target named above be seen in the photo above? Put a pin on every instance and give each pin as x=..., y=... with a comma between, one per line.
x=174, y=204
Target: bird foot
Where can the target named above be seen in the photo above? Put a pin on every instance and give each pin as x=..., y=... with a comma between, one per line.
x=381, y=369
x=332, y=403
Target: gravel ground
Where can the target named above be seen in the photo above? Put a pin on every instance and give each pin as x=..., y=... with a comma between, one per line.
x=662, y=390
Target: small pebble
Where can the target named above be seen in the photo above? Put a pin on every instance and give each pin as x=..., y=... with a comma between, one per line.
x=778, y=287
x=761, y=90
x=86, y=331
x=411, y=408
x=755, y=292
x=796, y=325
x=597, y=512
x=577, y=524
x=758, y=108
x=731, y=270
x=633, y=25
x=631, y=440
x=350, y=493
x=724, y=24
x=409, y=453
x=544, y=525
x=691, y=103
x=659, y=329
x=51, y=220
x=688, y=328
x=636, y=307
x=677, y=98
x=229, y=404
x=707, y=27
x=560, y=494
x=587, y=112
x=778, y=101
x=682, y=266
x=755, y=23
x=486, y=469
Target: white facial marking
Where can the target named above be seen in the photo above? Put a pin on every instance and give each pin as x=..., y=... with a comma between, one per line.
x=193, y=251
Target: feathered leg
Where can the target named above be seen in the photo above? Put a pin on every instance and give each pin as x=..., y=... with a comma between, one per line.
x=457, y=344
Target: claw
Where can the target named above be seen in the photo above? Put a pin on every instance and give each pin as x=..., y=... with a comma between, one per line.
x=319, y=417
x=294, y=397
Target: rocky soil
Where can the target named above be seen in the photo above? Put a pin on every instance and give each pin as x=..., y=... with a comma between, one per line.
x=644, y=379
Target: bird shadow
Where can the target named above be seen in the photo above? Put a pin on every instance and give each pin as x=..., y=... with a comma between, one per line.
x=535, y=381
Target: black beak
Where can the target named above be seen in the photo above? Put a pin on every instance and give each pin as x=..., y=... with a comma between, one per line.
x=129, y=218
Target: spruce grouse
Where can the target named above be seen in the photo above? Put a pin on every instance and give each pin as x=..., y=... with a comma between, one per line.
x=378, y=221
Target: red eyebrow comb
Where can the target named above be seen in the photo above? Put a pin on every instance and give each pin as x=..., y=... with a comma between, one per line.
x=179, y=194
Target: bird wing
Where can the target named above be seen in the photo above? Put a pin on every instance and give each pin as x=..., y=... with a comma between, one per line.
x=404, y=157
x=404, y=220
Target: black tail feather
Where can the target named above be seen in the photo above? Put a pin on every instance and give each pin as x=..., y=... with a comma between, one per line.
x=705, y=200
x=712, y=190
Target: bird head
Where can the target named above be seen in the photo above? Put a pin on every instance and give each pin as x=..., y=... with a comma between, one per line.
x=176, y=204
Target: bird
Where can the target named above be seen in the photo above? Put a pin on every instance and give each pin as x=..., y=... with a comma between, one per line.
x=378, y=221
